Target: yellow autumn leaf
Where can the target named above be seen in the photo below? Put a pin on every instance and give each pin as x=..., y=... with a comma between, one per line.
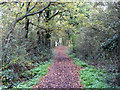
x=75, y=15
x=2, y=77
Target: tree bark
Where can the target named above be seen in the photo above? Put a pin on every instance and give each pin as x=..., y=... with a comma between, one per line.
x=27, y=21
x=27, y=27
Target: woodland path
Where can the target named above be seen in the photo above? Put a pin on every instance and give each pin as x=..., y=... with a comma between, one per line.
x=63, y=73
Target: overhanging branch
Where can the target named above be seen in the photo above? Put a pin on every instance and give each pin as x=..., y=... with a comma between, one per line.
x=31, y=14
x=55, y=15
x=21, y=18
x=2, y=3
x=32, y=8
x=52, y=16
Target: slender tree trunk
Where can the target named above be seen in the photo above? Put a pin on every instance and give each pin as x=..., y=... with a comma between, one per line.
x=27, y=21
x=27, y=27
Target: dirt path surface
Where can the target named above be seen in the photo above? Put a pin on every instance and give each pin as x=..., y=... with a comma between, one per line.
x=63, y=73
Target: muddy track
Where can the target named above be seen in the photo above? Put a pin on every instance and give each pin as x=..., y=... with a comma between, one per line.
x=63, y=73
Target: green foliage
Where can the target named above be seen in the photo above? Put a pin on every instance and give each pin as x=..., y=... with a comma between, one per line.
x=110, y=44
x=37, y=74
x=80, y=63
x=71, y=56
x=91, y=77
x=9, y=78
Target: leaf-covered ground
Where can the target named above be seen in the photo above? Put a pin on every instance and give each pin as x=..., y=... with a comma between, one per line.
x=63, y=73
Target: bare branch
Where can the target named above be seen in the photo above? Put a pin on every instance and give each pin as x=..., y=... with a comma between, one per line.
x=52, y=16
x=31, y=14
x=32, y=8
x=2, y=3
x=55, y=15
x=22, y=6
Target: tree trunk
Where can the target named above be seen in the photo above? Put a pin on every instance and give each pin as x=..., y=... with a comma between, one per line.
x=47, y=40
x=27, y=27
x=47, y=35
x=27, y=21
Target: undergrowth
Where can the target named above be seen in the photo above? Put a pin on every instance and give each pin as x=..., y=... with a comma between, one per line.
x=34, y=74
x=38, y=73
x=91, y=77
